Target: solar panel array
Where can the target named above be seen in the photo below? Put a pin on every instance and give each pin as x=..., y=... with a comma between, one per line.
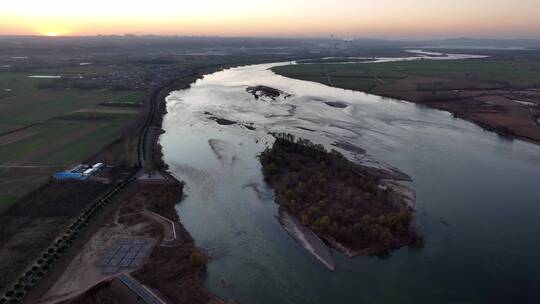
x=125, y=253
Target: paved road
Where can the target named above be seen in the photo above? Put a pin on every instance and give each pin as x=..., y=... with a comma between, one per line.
x=150, y=131
x=143, y=150
x=176, y=239
x=144, y=293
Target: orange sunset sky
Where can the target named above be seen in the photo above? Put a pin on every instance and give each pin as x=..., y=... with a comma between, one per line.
x=347, y=18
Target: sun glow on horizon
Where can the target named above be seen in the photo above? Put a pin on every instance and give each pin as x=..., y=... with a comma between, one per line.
x=382, y=18
x=52, y=31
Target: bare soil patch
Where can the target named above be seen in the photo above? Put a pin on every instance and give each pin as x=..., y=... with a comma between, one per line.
x=34, y=222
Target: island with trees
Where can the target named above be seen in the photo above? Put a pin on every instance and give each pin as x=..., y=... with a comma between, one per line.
x=261, y=91
x=346, y=204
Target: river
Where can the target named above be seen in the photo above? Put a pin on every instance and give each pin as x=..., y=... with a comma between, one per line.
x=478, y=195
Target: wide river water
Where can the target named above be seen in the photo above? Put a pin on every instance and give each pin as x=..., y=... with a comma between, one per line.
x=478, y=195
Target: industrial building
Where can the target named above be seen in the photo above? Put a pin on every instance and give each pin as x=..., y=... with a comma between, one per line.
x=79, y=172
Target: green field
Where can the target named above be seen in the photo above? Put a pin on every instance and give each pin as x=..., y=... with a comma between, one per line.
x=130, y=99
x=77, y=70
x=51, y=129
x=6, y=200
x=367, y=76
x=62, y=141
x=361, y=76
x=41, y=105
x=17, y=83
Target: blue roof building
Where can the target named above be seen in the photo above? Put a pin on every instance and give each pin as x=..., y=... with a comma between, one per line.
x=79, y=172
x=69, y=175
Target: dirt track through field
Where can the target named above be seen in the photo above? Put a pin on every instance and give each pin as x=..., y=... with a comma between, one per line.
x=14, y=137
x=108, y=110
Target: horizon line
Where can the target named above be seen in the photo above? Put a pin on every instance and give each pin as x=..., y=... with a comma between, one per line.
x=322, y=37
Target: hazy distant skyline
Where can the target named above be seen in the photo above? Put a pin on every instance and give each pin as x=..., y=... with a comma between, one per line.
x=310, y=18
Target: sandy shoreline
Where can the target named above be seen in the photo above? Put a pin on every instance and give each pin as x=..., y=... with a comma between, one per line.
x=307, y=239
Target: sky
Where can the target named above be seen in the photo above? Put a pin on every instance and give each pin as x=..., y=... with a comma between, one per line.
x=308, y=18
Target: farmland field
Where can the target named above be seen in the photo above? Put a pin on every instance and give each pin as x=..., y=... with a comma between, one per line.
x=368, y=76
x=43, y=130
x=135, y=98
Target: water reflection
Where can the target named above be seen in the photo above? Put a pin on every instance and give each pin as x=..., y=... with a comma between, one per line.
x=484, y=188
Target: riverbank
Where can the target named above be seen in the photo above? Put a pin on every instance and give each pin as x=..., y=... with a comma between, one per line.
x=168, y=266
x=177, y=267
x=498, y=95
